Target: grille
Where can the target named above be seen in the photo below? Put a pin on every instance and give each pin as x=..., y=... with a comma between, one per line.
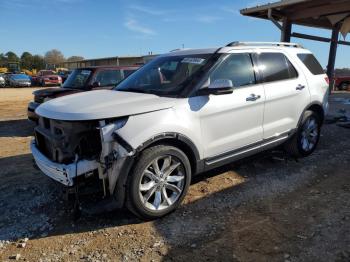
x=43, y=145
x=46, y=123
x=38, y=99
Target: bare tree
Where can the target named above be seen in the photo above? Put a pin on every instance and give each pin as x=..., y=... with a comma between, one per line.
x=75, y=58
x=54, y=57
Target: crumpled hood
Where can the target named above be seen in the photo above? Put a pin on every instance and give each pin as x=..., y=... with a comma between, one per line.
x=102, y=104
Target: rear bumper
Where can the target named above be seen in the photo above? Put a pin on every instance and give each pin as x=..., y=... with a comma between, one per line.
x=62, y=173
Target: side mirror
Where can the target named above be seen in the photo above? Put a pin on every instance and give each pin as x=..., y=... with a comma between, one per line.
x=218, y=87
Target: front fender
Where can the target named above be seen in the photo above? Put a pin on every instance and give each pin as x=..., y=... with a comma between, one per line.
x=146, y=127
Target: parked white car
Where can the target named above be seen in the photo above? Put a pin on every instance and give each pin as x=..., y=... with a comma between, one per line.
x=183, y=113
x=2, y=80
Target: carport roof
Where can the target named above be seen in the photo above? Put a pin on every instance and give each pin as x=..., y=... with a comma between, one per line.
x=312, y=13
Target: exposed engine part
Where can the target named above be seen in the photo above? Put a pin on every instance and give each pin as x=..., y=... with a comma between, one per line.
x=61, y=140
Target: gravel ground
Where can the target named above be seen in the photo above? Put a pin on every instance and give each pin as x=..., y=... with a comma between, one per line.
x=261, y=209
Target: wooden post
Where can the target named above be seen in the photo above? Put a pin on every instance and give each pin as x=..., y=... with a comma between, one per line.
x=286, y=30
x=332, y=56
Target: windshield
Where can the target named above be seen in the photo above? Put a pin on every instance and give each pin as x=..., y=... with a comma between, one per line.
x=78, y=79
x=20, y=77
x=165, y=75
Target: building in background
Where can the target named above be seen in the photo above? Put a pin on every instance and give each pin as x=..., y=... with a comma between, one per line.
x=113, y=61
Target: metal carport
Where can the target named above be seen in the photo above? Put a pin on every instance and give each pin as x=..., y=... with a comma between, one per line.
x=327, y=14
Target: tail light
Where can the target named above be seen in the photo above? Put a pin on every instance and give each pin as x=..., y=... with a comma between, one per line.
x=327, y=80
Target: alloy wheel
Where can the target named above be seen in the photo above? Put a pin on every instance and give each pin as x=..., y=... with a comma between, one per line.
x=162, y=183
x=309, y=135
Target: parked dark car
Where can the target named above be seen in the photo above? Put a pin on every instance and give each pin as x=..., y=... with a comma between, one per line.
x=19, y=80
x=81, y=80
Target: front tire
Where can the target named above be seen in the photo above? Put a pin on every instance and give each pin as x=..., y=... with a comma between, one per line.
x=305, y=140
x=158, y=182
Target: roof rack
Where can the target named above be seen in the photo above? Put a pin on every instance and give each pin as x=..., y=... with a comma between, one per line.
x=264, y=44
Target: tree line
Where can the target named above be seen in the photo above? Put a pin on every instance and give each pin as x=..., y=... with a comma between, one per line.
x=28, y=61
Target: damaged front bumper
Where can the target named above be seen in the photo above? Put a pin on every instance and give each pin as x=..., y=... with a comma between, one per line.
x=62, y=173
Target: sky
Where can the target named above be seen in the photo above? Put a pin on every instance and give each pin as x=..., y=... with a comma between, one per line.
x=103, y=28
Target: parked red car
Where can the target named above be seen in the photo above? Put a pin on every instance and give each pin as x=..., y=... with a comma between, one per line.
x=46, y=77
x=342, y=82
x=80, y=80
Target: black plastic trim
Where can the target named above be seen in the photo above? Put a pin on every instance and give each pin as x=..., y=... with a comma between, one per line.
x=307, y=108
x=245, y=151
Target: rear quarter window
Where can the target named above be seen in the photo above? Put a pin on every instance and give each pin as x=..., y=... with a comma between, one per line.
x=311, y=63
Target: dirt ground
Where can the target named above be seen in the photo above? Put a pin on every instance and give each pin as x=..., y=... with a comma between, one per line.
x=261, y=209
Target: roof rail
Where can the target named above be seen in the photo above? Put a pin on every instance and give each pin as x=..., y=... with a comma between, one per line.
x=174, y=50
x=179, y=49
x=264, y=43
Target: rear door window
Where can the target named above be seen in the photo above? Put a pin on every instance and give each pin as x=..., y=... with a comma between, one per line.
x=276, y=67
x=311, y=63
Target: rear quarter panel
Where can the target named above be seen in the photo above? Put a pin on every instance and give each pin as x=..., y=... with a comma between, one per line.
x=317, y=84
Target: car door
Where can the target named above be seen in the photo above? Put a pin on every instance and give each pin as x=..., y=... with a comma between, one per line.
x=232, y=121
x=286, y=93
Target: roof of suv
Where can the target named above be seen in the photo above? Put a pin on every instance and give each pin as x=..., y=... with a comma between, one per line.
x=241, y=46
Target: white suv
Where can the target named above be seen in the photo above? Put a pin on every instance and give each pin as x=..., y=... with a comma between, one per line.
x=183, y=113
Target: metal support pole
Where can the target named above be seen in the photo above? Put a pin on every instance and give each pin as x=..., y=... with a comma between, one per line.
x=286, y=30
x=332, y=56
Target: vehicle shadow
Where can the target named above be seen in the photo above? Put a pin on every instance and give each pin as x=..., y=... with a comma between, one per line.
x=16, y=128
x=202, y=226
x=41, y=200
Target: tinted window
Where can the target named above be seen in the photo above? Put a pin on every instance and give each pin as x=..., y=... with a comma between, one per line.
x=311, y=63
x=276, y=67
x=238, y=68
x=108, y=77
x=128, y=72
x=78, y=79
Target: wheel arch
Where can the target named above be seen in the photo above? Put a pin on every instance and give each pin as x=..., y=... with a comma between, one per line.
x=177, y=140
x=170, y=138
x=315, y=107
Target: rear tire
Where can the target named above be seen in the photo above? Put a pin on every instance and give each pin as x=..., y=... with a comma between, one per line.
x=158, y=182
x=305, y=140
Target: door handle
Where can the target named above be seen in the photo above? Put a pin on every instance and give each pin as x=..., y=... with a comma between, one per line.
x=253, y=97
x=300, y=87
